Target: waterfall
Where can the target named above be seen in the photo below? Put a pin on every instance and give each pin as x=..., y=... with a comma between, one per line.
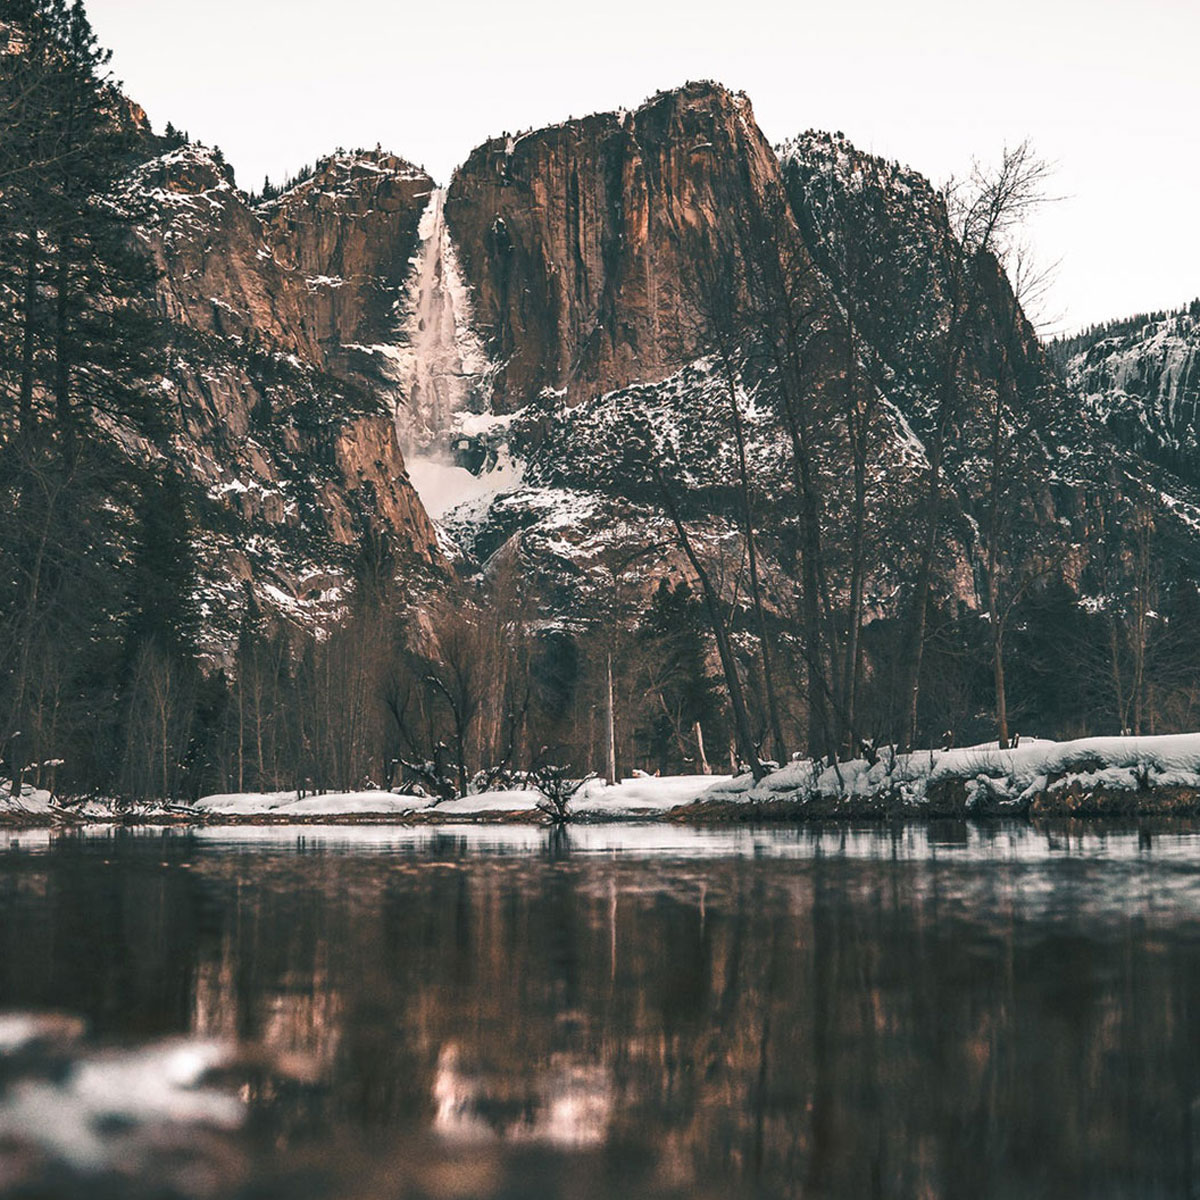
x=441, y=379
x=441, y=365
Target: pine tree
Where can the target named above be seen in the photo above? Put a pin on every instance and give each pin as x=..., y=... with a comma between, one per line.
x=80, y=353
x=162, y=577
x=679, y=687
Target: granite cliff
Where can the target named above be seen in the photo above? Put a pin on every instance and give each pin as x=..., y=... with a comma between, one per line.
x=284, y=426
x=367, y=350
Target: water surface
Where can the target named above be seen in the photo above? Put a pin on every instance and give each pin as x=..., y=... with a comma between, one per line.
x=937, y=1011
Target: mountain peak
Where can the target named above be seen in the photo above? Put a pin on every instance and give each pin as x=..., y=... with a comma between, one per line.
x=346, y=173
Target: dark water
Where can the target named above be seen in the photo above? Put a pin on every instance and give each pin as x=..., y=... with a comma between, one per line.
x=636, y=1011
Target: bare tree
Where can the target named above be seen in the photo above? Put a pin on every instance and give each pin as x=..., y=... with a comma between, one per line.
x=984, y=212
x=1021, y=548
x=724, y=328
x=459, y=700
x=642, y=446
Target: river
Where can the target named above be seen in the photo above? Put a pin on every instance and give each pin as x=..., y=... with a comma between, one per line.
x=936, y=1011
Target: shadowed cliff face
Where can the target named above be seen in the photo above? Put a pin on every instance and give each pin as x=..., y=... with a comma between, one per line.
x=350, y=232
x=589, y=244
x=882, y=236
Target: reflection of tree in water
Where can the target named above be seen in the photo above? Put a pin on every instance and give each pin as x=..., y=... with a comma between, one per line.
x=820, y=1027
x=558, y=842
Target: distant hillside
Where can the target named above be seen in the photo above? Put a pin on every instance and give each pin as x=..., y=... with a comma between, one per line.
x=1140, y=377
x=1064, y=348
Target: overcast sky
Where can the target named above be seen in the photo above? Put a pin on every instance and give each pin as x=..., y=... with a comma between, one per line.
x=1107, y=89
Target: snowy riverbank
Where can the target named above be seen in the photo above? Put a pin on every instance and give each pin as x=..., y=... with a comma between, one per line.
x=641, y=797
x=1088, y=777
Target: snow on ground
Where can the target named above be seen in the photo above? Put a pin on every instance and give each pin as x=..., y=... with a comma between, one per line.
x=1002, y=777
x=1036, y=765
x=37, y=802
x=332, y=804
x=645, y=794
x=641, y=796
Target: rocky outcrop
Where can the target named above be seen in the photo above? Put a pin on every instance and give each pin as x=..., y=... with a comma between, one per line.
x=349, y=232
x=1142, y=380
x=218, y=271
x=293, y=449
x=593, y=246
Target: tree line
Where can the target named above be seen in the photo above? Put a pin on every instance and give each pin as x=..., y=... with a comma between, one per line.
x=93, y=536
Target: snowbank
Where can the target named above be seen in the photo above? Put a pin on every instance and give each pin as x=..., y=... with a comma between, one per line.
x=39, y=805
x=332, y=804
x=1091, y=776
x=1088, y=775
x=639, y=797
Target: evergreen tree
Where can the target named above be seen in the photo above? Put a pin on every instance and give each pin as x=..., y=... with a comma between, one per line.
x=679, y=688
x=174, y=138
x=162, y=575
x=80, y=352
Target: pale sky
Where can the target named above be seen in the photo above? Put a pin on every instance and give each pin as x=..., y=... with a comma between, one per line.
x=1107, y=89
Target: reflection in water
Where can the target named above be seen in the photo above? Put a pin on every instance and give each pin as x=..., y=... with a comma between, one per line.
x=942, y=1011
x=90, y=1114
x=562, y=1104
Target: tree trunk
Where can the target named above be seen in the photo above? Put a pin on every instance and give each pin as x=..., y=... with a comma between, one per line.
x=460, y=738
x=854, y=626
x=241, y=743
x=733, y=684
x=29, y=341
x=860, y=423
x=947, y=405
x=1001, y=695
x=62, y=352
x=1114, y=651
x=819, y=733
x=780, y=747
x=916, y=638
x=610, y=726
x=705, y=769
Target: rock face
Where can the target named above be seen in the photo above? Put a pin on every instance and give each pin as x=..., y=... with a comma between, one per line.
x=277, y=418
x=1141, y=378
x=219, y=275
x=608, y=257
x=350, y=232
x=882, y=236
x=590, y=245
x=570, y=285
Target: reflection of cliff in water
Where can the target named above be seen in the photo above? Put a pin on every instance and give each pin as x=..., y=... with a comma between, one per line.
x=827, y=1026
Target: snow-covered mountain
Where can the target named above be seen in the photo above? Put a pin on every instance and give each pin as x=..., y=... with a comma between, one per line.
x=464, y=368
x=280, y=421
